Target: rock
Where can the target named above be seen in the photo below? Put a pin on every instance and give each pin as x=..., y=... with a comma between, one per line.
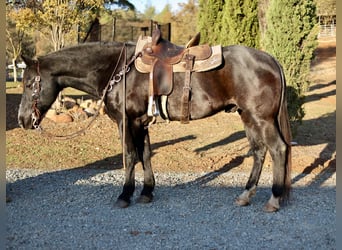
x=61, y=118
x=77, y=113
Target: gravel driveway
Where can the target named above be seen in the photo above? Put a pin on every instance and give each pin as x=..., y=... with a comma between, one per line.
x=72, y=209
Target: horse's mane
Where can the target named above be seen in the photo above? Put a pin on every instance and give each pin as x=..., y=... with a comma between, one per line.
x=83, y=47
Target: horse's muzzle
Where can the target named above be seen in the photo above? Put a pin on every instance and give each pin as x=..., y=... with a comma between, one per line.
x=25, y=123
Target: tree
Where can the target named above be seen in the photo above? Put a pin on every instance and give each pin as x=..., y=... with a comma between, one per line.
x=183, y=24
x=57, y=18
x=239, y=23
x=292, y=41
x=209, y=16
x=150, y=12
x=326, y=10
x=17, y=32
x=326, y=7
x=122, y=4
x=165, y=16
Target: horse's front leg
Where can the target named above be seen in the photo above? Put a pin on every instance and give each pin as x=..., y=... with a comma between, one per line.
x=131, y=158
x=144, y=153
x=137, y=147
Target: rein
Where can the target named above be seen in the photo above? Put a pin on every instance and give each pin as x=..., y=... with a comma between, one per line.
x=114, y=79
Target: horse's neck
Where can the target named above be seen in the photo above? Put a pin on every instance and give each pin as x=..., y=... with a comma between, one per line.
x=81, y=83
x=92, y=73
x=87, y=78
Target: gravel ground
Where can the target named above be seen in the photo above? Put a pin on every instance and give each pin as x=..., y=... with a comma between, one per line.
x=72, y=209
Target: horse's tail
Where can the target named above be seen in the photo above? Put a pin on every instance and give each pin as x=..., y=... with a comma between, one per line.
x=285, y=130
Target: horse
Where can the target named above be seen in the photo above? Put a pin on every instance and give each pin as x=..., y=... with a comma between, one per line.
x=249, y=81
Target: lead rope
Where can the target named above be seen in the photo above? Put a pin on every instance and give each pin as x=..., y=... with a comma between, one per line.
x=124, y=110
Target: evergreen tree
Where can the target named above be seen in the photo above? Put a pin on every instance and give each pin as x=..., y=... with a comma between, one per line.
x=208, y=19
x=239, y=23
x=291, y=37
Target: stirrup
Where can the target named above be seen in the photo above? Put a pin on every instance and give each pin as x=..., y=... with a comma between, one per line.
x=152, y=109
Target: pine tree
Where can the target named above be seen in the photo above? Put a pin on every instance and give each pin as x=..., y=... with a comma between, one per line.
x=208, y=19
x=239, y=23
x=291, y=37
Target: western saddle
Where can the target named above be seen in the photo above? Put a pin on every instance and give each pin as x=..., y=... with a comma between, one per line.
x=160, y=58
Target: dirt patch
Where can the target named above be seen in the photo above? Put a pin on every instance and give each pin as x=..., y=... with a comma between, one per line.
x=217, y=143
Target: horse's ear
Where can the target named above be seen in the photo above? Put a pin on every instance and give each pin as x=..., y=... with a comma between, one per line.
x=28, y=60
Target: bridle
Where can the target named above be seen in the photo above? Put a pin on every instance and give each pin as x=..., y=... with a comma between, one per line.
x=36, y=115
x=114, y=79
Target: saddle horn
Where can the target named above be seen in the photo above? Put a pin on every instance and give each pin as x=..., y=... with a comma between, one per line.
x=156, y=35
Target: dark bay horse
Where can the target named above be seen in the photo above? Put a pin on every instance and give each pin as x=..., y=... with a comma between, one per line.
x=249, y=81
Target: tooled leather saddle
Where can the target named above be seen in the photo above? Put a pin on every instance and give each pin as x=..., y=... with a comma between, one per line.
x=160, y=58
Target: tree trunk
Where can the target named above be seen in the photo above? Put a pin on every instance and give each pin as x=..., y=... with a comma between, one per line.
x=15, y=77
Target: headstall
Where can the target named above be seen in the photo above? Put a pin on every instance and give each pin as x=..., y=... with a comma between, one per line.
x=36, y=115
x=114, y=79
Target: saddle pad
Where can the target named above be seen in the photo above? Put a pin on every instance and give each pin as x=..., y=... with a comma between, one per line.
x=212, y=62
x=199, y=66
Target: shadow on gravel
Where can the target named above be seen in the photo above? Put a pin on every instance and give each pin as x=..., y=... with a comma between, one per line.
x=74, y=186
x=72, y=209
x=208, y=177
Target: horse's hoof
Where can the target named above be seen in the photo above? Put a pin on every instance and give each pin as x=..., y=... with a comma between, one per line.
x=145, y=199
x=241, y=202
x=269, y=208
x=121, y=203
x=8, y=199
x=272, y=205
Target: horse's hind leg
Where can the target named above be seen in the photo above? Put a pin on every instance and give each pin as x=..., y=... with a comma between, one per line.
x=258, y=148
x=262, y=137
x=278, y=151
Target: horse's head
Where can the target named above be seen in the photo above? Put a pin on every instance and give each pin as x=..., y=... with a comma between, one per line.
x=39, y=92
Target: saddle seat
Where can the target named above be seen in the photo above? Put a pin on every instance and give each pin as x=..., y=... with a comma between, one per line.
x=161, y=58
x=170, y=53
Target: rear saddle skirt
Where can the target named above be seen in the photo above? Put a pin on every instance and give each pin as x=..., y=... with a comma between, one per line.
x=160, y=58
